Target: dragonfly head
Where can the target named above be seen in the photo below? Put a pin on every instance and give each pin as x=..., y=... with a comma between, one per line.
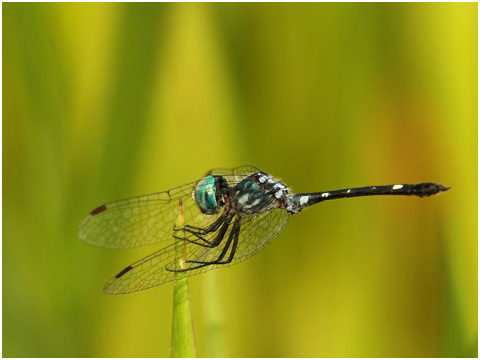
x=209, y=193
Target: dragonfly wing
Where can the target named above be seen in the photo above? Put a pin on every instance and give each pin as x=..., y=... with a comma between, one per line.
x=256, y=231
x=149, y=219
x=143, y=274
x=234, y=176
x=155, y=269
x=245, y=170
x=141, y=220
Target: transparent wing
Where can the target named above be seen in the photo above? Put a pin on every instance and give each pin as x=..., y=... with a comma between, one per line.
x=256, y=231
x=148, y=219
x=241, y=171
x=259, y=232
x=140, y=220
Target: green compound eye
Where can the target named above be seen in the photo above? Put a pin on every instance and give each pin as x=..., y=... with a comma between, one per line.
x=205, y=196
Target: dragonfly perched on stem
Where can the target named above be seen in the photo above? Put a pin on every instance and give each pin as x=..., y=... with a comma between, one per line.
x=230, y=214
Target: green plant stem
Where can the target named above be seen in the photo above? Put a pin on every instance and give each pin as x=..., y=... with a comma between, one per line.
x=183, y=336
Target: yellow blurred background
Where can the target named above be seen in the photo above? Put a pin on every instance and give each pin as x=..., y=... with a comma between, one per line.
x=107, y=101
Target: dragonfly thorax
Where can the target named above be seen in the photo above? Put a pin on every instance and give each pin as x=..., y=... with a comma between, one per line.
x=257, y=193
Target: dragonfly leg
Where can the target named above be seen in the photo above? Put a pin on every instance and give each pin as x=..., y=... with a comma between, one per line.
x=206, y=243
x=205, y=231
x=202, y=230
x=222, y=254
x=234, y=235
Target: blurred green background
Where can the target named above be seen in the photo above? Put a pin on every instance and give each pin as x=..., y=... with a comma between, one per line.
x=107, y=101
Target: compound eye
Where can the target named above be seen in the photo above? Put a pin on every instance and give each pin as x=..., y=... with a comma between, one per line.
x=205, y=196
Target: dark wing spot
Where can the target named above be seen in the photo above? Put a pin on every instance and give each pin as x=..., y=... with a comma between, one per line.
x=123, y=272
x=99, y=209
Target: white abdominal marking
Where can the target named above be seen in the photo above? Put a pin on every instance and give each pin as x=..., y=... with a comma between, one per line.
x=397, y=187
x=325, y=194
x=304, y=200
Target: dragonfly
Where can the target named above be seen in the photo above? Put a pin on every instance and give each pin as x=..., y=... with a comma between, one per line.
x=227, y=216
